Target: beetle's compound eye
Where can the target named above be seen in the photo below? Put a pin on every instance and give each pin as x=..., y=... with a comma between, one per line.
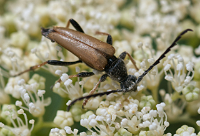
x=129, y=82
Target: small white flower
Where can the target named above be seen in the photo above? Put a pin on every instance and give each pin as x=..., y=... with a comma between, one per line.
x=99, y=118
x=166, y=123
x=83, y=134
x=139, y=88
x=140, y=44
x=124, y=122
x=93, y=116
x=21, y=82
x=1, y=124
x=189, y=66
x=68, y=129
x=58, y=72
x=151, y=60
x=146, y=123
x=169, y=78
x=32, y=121
x=67, y=82
x=137, y=74
x=146, y=116
x=142, y=64
x=167, y=67
x=64, y=77
x=26, y=97
x=187, y=80
x=171, y=56
x=41, y=92
x=69, y=102
x=179, y=66
x=93, y=122
x=18, y=103
x=180, y=59
x=63, y=119
x=153, y=113
x=153, y=126
x=20, y=111
x=84, y=122
x=57, y=85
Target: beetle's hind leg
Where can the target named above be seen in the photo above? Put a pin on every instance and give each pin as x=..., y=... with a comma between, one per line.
x=109, y=38
x=51, y=62
x=75, y=25
x=123, y=55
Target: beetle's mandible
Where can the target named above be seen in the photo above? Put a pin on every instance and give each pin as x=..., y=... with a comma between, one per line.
x=97, y=55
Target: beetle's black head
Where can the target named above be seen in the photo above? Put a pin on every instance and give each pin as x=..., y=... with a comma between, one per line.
x=129, y=83
x=46, y=32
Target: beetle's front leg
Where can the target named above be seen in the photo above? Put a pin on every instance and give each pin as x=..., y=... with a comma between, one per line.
x=82, y=74
x=123, y=55
x=102, y=79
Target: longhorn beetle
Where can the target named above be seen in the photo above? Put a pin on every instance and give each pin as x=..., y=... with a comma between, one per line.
x=97, y=55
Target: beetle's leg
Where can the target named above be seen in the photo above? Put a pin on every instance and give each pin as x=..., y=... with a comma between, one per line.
x=99, y=94
x=102, y=79
x=109, y=38
x=123, y=55
x=82, y=74
x=51, y=62
x=62, y=63
x=75, y=25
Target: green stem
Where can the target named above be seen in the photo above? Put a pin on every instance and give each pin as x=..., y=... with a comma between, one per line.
x=40, y=124
x=155, y=94
x=176, y=95
x=187, y=119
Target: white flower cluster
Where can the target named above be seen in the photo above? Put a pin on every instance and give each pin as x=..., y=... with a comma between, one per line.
x=106, y=120
x=19, y=128
x=65, y=87
x=180, y=78
x=143, y=28
x=30, y=94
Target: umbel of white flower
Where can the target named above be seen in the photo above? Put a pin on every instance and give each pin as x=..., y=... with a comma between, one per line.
x=19, y=128
x=32, y=96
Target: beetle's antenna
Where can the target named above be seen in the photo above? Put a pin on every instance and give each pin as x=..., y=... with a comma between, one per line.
x=162, y=56
x=95, y=95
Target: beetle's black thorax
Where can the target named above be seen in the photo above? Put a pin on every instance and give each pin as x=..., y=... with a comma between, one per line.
x=116, y=69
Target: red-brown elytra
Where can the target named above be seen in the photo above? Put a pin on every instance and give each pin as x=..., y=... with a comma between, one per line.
x=97, y=55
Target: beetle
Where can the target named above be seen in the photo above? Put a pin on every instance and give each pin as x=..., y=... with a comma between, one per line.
x=98, y=55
